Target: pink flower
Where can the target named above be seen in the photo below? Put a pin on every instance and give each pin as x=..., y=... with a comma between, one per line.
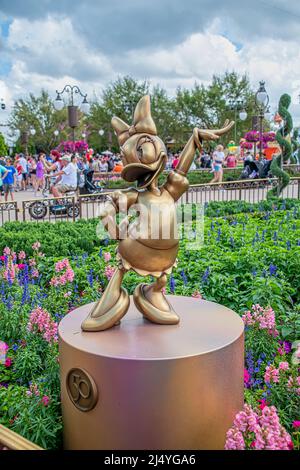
x=3, y=346
x=283, y=366
x=41, y=322
x=197, y=295
x=8, y=362
x=36, y=246
x=67, y=294
x=263, y=403
x=296, y=424
x=21, y=265
x=6, y=251
x=33, y=390
x=35, y=273
x=22, y=255
x=45, y=400
x=262, y=318
x=271, y=374
x=107, y=257
x=246, y=377
x=2, y=258
x=264, y=424
x=32, y=262
x=109, y=271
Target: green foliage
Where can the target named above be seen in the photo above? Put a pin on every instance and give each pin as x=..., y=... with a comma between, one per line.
x=38, y=112
x=283, y=138
x=250, y=255
x=3, y=146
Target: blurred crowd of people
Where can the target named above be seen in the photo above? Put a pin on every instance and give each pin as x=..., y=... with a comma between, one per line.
x=57, y=172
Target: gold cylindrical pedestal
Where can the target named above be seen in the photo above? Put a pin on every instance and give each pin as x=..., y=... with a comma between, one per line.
x=145, y=386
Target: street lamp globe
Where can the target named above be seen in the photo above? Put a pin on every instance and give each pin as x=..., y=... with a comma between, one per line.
x=261, y=96
x=32, y=131
x=83, y=135
x=101, y=132
x=58, y=103
x=243, y=115
x=56, y=132
x=85, y=106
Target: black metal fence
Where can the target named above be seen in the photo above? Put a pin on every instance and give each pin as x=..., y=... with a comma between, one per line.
x=8, y=212
x=86, y=207
x=249, y=191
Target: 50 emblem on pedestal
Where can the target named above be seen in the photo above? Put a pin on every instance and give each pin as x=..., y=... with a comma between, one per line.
x=82, y=389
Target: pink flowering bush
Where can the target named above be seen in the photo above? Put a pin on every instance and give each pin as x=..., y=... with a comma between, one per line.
x=261, y=318
x=258, y=429
x=40, y=322
x=109, y=271
x=66, y=277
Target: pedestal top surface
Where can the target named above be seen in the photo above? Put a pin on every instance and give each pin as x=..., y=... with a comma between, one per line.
x=204, y=327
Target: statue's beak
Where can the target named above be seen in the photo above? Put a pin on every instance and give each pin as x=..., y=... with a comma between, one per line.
x=143, y=174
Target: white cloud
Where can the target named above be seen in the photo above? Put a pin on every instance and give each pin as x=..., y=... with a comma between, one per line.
x=48, y=53
x=51, y=47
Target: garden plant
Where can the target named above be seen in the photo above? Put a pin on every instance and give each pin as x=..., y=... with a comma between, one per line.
x=249, y=262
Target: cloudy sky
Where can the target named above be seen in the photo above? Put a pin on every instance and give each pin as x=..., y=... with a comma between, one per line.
x=48, y=43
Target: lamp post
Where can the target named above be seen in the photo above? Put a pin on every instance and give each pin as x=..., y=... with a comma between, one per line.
x=72, y=108
x=261, y=102
x=2, y=104
x=237, y=105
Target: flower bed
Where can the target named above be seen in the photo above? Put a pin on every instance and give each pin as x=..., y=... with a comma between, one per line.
x=249, y=262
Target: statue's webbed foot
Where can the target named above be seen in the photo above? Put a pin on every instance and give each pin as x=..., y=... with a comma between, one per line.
x=99, y=320
x=157, y=310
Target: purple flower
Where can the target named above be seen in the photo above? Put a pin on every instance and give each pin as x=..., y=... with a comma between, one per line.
x=273, y=269
x=172, y=284
x=205, y=275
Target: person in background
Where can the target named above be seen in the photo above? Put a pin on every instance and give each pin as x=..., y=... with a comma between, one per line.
x=175, y=161
x=24, y=165
x=96, y=164
x=218, y=159
x=40, y=174
x=231, y=161
x=32, y=171
x=110, y=163
x=103, y=165
x=248, y=157
x=19, y=176
x=68, y=177
x=3, y=174
x=118, y=167
x=169, y=162
x=205, y=160
x=9, y=180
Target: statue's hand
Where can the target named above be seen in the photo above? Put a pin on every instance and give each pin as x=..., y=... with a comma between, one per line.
x=211, y=134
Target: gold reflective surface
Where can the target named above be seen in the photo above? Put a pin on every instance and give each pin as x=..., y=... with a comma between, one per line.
x=151, y=246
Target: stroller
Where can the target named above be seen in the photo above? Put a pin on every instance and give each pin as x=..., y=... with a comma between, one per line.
x=257, y=169
x=86, y=184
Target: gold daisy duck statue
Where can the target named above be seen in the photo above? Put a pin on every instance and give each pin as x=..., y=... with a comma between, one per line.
x=146, y=248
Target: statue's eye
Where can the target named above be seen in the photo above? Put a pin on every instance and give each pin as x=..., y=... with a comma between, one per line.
x=146, y=151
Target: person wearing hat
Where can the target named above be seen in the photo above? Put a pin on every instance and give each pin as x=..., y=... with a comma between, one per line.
x=144, y=246
x=67, y=176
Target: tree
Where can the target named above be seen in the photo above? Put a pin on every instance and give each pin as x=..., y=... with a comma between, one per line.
x=39, y=113
x=3, y=146
x=119, y=98
x=224, y=88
